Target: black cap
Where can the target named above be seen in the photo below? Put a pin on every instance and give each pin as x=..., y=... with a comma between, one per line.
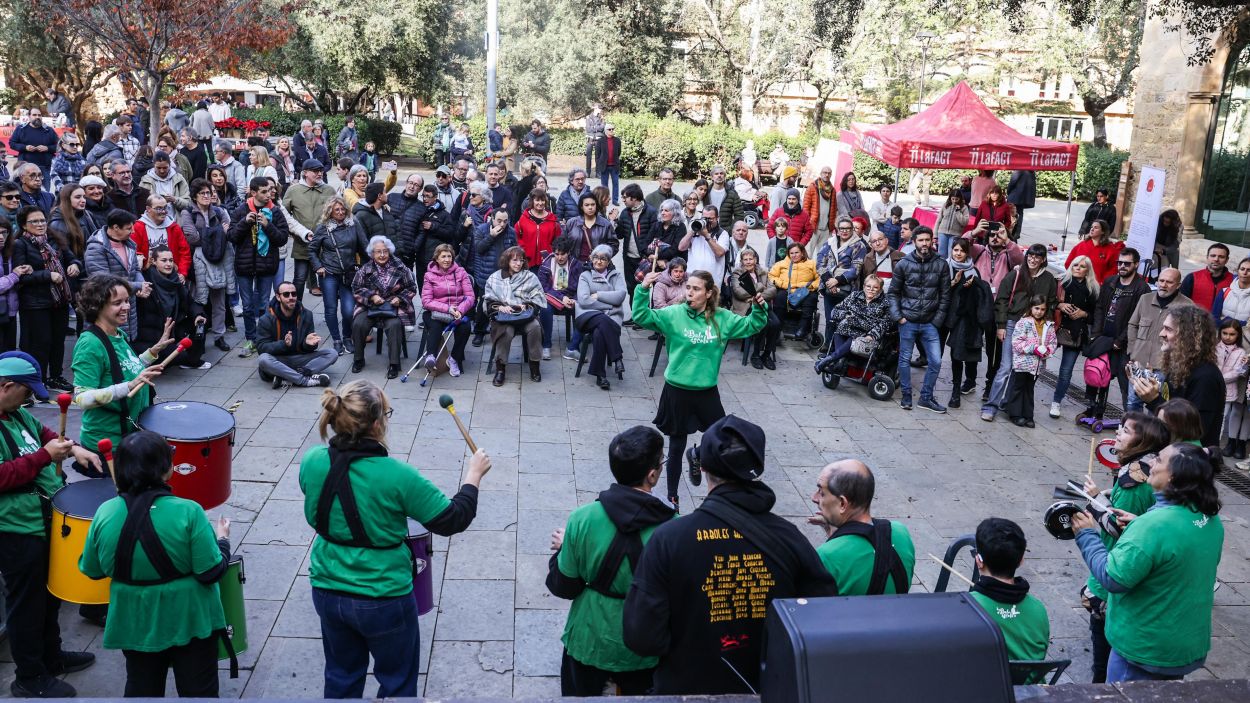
x=313, y=165
x=733, y=448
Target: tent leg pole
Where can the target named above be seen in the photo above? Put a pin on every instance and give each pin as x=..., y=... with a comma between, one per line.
x=896, y=172
x=1067, y=216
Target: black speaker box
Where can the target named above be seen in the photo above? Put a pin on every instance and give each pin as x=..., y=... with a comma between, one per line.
x=928, y=647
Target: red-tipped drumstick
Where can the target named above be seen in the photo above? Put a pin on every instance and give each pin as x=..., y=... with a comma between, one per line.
x=106, y=450
x=183, y=345
x=63, y=400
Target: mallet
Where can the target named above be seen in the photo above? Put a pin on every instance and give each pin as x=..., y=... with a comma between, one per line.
x=448, y=404
x=63, y=400
x=106, y=450
x=183, y=345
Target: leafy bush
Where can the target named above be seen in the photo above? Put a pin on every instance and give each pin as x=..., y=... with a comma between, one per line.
x=385, y=135
x=1226, y=181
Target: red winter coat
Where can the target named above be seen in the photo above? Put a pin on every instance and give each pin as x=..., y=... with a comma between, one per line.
x=535, y=236
x=1104, y=257
x=801, y=227
x=177, y=244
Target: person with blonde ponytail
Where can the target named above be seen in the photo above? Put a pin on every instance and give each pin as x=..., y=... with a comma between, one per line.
x=695, y=332
x=359, y=499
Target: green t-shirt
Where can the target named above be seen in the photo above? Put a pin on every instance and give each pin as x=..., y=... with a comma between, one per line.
x=592, y=633
x=1025, y=625
x=91, y=370
x=694, y=347
x=850, y=560
x=21, y=511
x=1167, y=559
x=388, y=492
x=157, y=617
x=1136, y=500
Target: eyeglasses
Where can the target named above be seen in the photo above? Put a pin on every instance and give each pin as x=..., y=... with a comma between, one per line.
x=1124, y=263
x=8, y=197
x=290, y=294
x=844, y=229
x=36, y=222
x=388, y=413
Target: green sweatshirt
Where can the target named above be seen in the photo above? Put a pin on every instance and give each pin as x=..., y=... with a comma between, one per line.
x=1136, y=500
x=694, y=347
x=850, y=559
x=1025, y=625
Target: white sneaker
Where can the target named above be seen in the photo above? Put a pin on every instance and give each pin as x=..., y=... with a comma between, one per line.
x=546, y=353
x=1054, y=410
x=237, y=309
x=572, y=355
x=409, y=328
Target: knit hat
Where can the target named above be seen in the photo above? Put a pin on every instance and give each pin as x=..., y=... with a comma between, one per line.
x=795, y=193
x=733, y=448
x=92, y=181
x=789, y=172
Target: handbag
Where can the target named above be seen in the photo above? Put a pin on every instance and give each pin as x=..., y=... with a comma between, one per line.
x=515, y=318
x=440, y=316
x=864, y=346
x=796, y=296
x=385, y=311
x=1066, y=339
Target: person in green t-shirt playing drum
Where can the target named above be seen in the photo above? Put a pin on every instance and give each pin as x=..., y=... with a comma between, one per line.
x=29, y=456
x=594, y=564
x=359, y=500
x=164, y=604
x=106, y=369
x=1160, y=575
x=866, y=556
x=1000, y=547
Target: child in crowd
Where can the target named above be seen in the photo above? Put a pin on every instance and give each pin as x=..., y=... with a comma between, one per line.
x=1020, y=616
x=1231, y=359
x=369, y=159
x=892, y=228
x=1032, y=344
x=1183, y=421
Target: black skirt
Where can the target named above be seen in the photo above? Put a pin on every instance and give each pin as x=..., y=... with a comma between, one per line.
x=684, y=412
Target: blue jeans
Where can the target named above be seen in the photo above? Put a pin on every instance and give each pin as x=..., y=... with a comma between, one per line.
x=1002, y=379
x=337, y=297
x=546, y=319
x=944, y=244
x=354, y=628
x=255, y=291
x=1121, y=669
x=613, y=172
x=909, y=335
x=281, y=274
x=1066, y=363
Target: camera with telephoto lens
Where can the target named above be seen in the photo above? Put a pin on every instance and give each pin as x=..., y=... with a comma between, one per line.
x=697, y=225
x=695, y=465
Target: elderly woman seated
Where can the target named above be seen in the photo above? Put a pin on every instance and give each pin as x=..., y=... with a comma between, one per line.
x=447, y=296
x=601, y=312
x=862, y=314
x=513, y=298
x=384, y=290
x=764, y=349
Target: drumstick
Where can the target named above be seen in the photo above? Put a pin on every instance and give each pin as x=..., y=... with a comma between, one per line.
x=448, y=404
x=64, y=400
x=949, y=568
x=183, y=345
x=106, y=450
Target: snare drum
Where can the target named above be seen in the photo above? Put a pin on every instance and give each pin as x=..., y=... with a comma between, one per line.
x=232, y=602
x=73, y=509
x=421, y=542
x=202, y=436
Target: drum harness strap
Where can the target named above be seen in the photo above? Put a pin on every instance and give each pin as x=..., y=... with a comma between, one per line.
x=625, y=545
x=338, y=485
x=115, y=370
x=138, y=529
x=886, y=561
x=45, y=501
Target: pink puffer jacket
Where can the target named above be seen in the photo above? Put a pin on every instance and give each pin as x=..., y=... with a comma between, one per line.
x=444, y=290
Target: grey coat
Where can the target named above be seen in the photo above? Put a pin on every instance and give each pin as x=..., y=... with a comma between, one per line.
x=610, y=287
x=100, y=257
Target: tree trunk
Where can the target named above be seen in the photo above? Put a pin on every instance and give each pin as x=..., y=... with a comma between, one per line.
x=151, y=85
x=746, y=103
x=1096, y=107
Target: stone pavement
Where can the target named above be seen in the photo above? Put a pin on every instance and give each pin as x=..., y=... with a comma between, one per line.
x=496, y=630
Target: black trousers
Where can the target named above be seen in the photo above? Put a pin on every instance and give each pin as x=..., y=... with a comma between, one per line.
x=1020, y=397
x=673, y=465
x=631, y=265
x=392, y=327
x=8, y=334
x=993, y=355
x=194, y=665
x=1101, y=648
x=582, y=680
x=434, y=338
x=605, y=342
x=34, y=634
x=43, y=337
x=766, y=340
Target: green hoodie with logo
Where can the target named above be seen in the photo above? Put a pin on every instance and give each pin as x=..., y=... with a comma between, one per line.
x=694, y=345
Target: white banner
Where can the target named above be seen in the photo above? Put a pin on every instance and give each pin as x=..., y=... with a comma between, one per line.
x=1146, y=207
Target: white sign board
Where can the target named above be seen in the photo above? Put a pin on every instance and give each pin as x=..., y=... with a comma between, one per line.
x=1146, y=207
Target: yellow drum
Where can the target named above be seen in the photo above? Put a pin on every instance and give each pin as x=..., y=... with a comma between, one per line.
x=73, y=509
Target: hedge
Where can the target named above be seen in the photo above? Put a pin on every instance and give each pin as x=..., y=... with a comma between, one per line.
x=385, y=135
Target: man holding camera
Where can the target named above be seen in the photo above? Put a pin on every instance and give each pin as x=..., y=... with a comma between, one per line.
x=704, y=583
x=707, y=244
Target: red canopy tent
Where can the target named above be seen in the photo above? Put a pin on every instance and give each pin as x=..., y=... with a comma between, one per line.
x=959, y=131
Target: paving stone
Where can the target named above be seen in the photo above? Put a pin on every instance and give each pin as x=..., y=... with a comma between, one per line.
x=476, y=610
x=281, y=432
x=546, y=458
x=270, y=569
x=531, y=584
x=496, y=510
x=255, y=463
x=298, y=617
x=482, y=555
x=470, y=670
x=547, y=492
x=534, y=530
x=536, y=630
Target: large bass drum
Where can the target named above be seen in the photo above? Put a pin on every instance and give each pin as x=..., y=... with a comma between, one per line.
x=202, y=436
x=73, y=509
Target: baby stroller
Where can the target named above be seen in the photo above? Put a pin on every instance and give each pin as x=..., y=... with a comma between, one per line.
x=878, y=369
x=756, y=214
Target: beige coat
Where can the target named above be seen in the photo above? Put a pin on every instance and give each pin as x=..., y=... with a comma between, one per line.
x=1143, y=329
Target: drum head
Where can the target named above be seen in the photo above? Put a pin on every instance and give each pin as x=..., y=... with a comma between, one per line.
x=82, y=498
x=1107, y=455
x=1058, y=519
x=187, y=420
x=416, y=529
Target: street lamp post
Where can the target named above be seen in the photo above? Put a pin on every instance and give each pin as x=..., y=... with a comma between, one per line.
x=924, y=38
x=492, y=58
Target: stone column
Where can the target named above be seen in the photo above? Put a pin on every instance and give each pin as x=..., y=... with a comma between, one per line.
x=1199, y=110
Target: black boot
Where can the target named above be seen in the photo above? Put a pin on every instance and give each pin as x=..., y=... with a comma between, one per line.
x=500, y=375
x=1230, y=447
x=1241, y=450
x=535, y=374
x=954, y=401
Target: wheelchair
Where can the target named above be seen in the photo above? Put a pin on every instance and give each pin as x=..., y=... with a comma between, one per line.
x=878, y=370
x=792, y=319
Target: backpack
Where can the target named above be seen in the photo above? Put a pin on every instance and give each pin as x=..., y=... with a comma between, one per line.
x=1098, y=371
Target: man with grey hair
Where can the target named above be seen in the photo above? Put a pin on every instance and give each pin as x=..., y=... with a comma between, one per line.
x=566, y=204
x=294, y=358
x=665, y=191
x=108, y=148
x=236, y=172
x=30, y=183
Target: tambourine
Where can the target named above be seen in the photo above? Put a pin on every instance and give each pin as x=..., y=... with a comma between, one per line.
x=1107, y=455
x=1058, y=519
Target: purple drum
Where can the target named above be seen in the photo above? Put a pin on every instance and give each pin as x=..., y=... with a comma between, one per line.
x=421, y=542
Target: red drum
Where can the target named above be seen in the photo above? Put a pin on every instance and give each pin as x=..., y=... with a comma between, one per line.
x=202, y=436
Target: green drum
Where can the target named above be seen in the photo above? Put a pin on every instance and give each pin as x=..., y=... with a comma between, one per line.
x=232, y=602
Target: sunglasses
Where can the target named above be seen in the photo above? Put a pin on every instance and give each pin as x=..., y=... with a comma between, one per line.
x=8, y=197
x=287, y=295
x=1124, y=263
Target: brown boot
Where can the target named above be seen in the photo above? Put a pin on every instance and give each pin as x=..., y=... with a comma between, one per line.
x=535, y=375
x=499, y=372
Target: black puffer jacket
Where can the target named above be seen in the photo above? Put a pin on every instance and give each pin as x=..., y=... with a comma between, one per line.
x=336, y=246
x=638, y=226
x=424, y=241
x=247, y=261
x=920, y=290
x=372, y=224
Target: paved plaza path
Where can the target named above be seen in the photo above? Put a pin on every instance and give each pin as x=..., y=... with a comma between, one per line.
x=496, y=630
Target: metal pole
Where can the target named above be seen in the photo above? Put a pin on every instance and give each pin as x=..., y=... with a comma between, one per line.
x=896, y=170
x=924, y=67
x=1067, y=215
x=492, y=59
